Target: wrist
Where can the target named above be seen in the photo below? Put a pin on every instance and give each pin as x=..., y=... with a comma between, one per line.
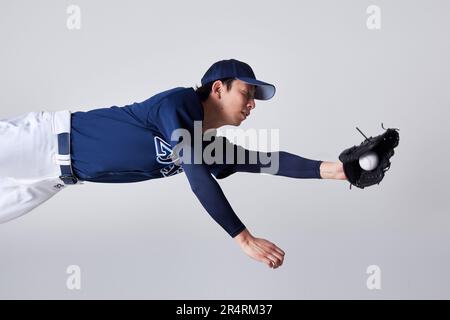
x=328, y=170
x=243, y=237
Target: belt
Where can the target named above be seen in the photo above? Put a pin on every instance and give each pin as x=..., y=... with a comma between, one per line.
x=64, y=161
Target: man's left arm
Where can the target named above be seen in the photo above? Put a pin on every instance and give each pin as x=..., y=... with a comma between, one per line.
x=279, y=163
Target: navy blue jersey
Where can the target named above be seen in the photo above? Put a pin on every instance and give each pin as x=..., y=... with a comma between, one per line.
x=133, y=143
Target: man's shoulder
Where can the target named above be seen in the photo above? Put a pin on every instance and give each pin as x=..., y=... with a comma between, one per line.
x=182, y=97
x=182, y=100
x=174, y=94
x=171, y=94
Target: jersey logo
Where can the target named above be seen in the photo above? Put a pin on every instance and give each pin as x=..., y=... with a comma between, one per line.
x=165, y=155
x=171, y=170
x=163, y=151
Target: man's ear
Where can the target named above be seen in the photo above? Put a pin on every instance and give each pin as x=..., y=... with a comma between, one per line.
x=217, y=87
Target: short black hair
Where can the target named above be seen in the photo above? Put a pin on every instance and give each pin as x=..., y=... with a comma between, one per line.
x=204, y=91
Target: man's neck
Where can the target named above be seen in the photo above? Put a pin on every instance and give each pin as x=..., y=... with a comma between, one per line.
x=211, y=119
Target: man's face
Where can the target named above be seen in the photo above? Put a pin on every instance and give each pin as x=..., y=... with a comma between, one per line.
x=238, y=102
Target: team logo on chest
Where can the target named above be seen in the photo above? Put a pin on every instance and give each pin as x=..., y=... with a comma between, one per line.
x=165, y=155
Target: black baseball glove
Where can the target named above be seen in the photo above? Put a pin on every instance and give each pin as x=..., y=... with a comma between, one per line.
x=383, y=145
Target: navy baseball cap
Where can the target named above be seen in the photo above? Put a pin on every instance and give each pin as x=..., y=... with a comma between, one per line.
x=240, y=70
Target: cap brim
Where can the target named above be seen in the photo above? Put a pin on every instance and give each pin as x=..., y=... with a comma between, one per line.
x=264, y=90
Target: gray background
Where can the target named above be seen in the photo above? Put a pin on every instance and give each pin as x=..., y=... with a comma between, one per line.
x=153, y=239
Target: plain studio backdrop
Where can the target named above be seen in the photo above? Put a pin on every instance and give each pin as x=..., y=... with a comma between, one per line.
x=153, y=239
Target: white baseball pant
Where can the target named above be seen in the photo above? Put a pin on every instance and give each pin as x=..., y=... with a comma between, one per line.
x=29, y=162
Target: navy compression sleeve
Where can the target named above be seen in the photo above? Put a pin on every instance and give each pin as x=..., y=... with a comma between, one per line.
x=211, y=196
x=289, y=165
x=281, y=163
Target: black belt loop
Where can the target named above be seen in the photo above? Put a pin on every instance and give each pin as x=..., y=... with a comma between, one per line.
x=67, y=175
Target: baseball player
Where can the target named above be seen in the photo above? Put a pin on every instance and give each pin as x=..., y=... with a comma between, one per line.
x=45, y=152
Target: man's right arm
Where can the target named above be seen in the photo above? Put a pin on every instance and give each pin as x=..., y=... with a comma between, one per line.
x=211, y=196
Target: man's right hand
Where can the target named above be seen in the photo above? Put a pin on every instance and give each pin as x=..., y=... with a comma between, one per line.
x=260, y=249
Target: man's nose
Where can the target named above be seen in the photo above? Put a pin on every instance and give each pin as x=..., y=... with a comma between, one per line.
x=251, y=104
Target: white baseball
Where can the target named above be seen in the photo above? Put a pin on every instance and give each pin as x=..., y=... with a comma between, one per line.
x=368, y=161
